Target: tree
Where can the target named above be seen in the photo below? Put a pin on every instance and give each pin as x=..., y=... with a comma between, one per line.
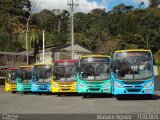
x=9, y=10
x=130, y=41
x=141, y=4
x=154, y=3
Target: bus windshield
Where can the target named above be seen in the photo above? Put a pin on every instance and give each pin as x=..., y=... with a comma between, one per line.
x=133, y=65
x=25, y=74
x=65, y=71
x=43, y=73
x=11, y=76
x=95, y=68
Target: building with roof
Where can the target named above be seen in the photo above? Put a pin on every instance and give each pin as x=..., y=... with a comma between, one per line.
x=62, y=51
x=15, y=59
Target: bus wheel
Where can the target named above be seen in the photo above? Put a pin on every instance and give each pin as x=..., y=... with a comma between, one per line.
x=39, y=93
x=24, y=92
x=85, y=96
x=149, y=97
x=13, y=92
x=119, y=97
x=59, y=94
x=109, y=95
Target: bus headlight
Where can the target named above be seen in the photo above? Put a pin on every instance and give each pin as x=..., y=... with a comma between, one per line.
x=118, y=85
x=107, y=84
x=34, y=85
x=55, y=85
x=82, y=85
x=19, y=85
x=148, y=84
x=8, y=85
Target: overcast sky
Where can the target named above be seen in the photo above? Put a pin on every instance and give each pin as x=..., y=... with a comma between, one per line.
x=85, y=5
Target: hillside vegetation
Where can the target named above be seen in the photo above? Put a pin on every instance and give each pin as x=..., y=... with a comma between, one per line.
x=124, y=27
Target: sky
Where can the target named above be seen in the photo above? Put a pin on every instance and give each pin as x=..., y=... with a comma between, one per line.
x=84, y=5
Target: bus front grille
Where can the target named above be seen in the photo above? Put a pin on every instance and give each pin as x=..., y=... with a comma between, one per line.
x=65, y=89
x=133, y=90
x=94, y=89
x=27, y=89
x=42, y=88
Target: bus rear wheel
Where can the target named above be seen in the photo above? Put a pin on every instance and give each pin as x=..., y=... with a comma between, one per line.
x=13, y=92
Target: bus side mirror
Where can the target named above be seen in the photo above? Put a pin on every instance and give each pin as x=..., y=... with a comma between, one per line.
x=116, y=73
x=34, y=78
x=19, y=80
x=80, y=74
x=54, y=77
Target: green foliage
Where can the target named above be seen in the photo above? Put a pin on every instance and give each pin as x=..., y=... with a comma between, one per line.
x=154, y=3
x=9, y=33
x=121, y=28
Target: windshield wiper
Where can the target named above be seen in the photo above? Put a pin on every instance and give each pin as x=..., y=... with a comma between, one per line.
x=96, y=70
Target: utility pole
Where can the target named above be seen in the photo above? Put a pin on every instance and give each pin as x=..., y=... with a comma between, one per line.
x=72, y=5
x=27, y=54
x=27, y=30
x=43, y=48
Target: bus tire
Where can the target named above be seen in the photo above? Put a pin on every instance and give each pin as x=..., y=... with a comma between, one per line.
x=13, y=92
x=85, y=96
x=24, y=92
x=119, y=97
x=149, y=97
x=110, y=95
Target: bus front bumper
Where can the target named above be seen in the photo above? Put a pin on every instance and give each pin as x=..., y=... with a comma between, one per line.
x=11, y=89
x=94, y=89
x=24, y=88
x=64, y=89
x=123, y=91
x=41, y=88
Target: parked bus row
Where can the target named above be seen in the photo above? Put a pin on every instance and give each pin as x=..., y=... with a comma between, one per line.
x=125, y=72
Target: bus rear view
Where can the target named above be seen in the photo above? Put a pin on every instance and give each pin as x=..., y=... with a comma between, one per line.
x=94, y=75
x=133, y=73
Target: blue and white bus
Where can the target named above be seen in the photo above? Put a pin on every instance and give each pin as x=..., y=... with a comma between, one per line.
x=94, y=75
x=133, y=73
x=41, y=80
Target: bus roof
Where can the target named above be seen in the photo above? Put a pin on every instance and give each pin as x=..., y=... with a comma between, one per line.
x=86, y=56
x=134, y=50
x=26, y=66
x=62, y=61
x=3, y=68
x=12, y=68
x=41, y=64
